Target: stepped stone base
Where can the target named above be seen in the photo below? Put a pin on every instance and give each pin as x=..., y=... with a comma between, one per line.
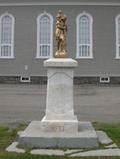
x=34, y=137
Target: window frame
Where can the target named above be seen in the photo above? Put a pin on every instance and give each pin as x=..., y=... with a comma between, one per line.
x=12, y=36
x=38, y=36
x=91, y=36
x=117, y=37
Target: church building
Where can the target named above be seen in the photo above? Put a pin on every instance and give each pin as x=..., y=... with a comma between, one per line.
x=27, y=38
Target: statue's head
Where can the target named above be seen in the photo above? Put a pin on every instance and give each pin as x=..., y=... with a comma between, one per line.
x=65, y=17
x=59, y=15
x=60, y=12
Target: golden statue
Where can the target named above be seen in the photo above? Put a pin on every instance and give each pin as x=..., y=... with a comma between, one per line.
x=60, y=34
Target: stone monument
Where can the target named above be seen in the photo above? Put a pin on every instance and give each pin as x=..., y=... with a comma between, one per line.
x=59, y=128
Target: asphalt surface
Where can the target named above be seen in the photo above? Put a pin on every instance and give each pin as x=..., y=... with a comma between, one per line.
x=24, y=103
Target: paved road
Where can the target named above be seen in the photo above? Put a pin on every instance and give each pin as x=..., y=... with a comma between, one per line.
x=23, y=103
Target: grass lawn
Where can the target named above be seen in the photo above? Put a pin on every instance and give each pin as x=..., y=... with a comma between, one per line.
x=8, y=135
x=112, y=130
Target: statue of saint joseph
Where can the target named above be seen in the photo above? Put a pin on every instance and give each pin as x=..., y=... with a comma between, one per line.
x=60, y=34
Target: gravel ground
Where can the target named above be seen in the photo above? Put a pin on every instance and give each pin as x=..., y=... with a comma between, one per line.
x=23, y=103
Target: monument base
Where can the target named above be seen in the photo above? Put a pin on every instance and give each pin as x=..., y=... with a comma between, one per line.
x=34, y=137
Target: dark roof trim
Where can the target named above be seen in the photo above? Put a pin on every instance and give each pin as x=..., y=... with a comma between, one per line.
x=62, y=2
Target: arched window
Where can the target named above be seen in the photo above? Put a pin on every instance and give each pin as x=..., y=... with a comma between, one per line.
x=118, y=36
x=44, y=35
x=6, y=36
x=84, y=36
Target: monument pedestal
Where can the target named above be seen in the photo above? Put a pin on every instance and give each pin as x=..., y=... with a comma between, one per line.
x=59, y=105
x=59, y=127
